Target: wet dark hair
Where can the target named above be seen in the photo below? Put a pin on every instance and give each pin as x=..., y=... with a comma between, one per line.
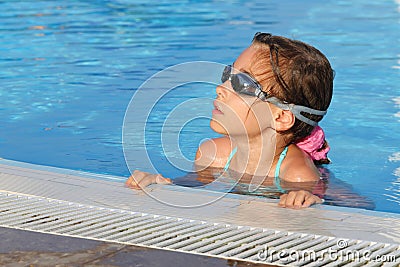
x=294, y=72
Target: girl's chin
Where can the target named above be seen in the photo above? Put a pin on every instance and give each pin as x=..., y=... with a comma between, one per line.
x=217, y=127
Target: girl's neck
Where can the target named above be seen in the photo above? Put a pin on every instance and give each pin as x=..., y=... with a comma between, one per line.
x=256, y=155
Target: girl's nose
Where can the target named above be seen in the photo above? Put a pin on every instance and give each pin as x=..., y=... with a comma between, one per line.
x=221, y=90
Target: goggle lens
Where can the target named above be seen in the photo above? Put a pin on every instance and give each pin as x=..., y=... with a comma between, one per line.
x=242, y=83
x=226, y=74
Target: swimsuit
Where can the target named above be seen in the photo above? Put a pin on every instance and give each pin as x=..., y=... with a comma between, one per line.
x=277, y=169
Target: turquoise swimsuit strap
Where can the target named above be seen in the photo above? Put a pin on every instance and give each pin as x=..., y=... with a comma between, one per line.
x=277, y=170
x=233, y=152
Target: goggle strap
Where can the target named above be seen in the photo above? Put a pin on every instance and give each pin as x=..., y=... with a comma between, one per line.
x=297, y=110
x=299, y=116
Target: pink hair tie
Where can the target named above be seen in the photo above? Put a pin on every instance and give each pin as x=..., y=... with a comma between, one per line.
x=315, y=145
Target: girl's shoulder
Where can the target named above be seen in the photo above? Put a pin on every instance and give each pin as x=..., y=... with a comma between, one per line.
x=298, y=166
x=214, y=152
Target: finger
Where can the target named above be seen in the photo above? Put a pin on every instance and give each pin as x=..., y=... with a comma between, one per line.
x=135, y=178
x=290, y=199
x=299, y=199
x=130, y=181
x=162, y=180
x=312, y=199
x=309, y=201
x=147, y=180
x=139, y=175
x=282, y=200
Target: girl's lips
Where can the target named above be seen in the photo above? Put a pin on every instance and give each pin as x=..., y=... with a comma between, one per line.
x=216, y=109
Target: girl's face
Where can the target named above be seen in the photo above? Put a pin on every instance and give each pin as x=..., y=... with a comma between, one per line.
x=238, y=114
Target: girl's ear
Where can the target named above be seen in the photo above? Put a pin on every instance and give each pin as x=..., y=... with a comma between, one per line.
x=284, y=120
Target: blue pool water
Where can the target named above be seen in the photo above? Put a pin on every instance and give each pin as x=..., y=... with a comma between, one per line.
x=68, y=70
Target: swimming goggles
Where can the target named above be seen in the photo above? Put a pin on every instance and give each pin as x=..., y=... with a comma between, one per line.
x=243, y=83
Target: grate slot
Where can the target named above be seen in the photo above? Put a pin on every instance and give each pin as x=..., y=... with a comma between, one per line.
x=249, y=249
x=284, y=239
x=356, y=264
x=223, y=244
x=384, y=251
x=182, y=245
x=297, y=241
x=373, y=247
x=45, y=215
x=325, y=257
x=172, y=233
x=186, y=239
x=155, y=232
x=20, y=205
x=315, y=241
x=355, y=247
x=80, y=220
x=104, y=225
x=93, y=223
x=211, y=238
x=22, y=215
x=373, y=264
x=60, y=220
x=396, y=254
x=123, y=226
x=137, y=227
x=278, y=242
x=150, y=230
x=28, y=210
x=113, y=229
x=236, y=247
x=260, y=244
x=7, y=200
x=318, y=249
x=50, y=215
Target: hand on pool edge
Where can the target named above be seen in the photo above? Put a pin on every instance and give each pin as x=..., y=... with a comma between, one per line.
x=298, y=199
x=139, y=180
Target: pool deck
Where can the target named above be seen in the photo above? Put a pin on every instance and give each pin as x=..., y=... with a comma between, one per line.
x=110, y=192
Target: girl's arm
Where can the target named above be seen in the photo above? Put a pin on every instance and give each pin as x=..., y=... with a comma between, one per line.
x=299, y=176
x=212, y=153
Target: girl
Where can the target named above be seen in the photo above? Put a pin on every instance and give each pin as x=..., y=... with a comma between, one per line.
x=268, y=107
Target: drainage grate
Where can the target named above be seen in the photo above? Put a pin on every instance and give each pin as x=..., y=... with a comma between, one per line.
x=190, y=236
